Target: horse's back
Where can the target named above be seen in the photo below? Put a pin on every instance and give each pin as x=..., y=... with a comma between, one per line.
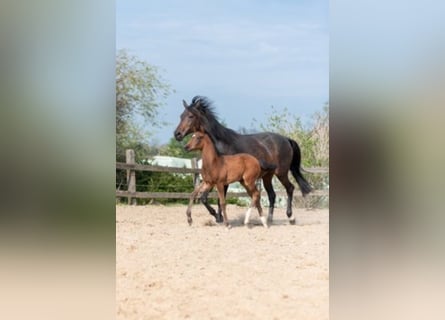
x=270, y=147
x=272, y=140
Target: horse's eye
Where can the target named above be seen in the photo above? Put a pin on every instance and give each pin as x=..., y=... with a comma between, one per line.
x=191, y=116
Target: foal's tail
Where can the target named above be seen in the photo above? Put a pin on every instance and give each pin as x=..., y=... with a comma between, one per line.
x=305, y=187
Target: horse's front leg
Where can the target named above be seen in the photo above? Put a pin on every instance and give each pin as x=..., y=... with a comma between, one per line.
x=205, y=202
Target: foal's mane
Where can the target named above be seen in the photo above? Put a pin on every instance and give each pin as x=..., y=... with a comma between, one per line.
x=209, y=120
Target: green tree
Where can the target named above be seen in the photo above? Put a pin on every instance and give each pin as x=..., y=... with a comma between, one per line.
x=140, y=93
x=176, y=149
x=313, y=140
x=319, y=134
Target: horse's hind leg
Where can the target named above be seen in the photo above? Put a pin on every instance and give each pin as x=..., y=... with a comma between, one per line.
x=267, y=182
x=284, y=179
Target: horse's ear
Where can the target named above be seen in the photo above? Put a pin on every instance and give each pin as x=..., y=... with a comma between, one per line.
x=185, y=104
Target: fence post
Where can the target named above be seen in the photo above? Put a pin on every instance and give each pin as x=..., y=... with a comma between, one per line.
x=131, y=174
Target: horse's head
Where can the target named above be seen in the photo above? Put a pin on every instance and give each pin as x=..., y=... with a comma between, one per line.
x=196, y=142
x=198, y=116
x=189, y=121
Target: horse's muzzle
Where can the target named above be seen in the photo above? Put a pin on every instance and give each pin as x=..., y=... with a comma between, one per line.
x=178, y=136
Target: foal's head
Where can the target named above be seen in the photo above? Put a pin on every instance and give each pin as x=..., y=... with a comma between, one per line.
x=196, y=142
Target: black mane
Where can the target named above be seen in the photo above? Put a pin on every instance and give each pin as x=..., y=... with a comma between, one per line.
x=205, y=106
x=210, y=120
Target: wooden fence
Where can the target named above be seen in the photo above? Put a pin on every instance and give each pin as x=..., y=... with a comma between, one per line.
x=131, y=167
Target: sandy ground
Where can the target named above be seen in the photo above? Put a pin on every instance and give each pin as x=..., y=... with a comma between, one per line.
x=168, y=270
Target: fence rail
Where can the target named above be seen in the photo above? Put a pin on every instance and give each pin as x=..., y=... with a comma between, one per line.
x=144, y=167
x=131, y=167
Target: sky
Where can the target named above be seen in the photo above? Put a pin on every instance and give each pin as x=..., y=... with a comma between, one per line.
x=245, y=56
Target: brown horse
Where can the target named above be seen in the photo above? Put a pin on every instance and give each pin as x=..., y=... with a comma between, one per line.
x=220, y=171
x=271, y=147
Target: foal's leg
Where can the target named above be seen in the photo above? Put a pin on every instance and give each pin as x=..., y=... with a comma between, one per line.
x=256, y=201
x=254, y=193
x=267, y=182
x=189, y=208
x=290, y=193
x=219, y=217
x=222, y=202
x=249, y=211
x=203, y=187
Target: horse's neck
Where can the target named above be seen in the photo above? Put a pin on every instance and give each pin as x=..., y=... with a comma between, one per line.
x=222, y=137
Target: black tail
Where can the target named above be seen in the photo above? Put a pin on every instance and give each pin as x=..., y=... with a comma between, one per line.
x=305, y=187
x=267, y=166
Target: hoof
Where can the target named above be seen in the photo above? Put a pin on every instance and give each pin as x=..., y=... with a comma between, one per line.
x=292, y=221
x=219, y=219
x=190, y=221
x=270, y=219
x=228, y=227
